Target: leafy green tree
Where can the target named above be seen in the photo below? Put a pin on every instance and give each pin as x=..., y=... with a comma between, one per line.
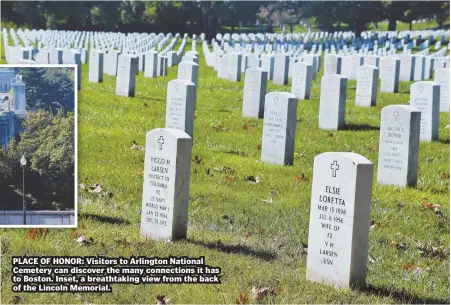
x=49, y=89
x=442, y=13
x=48, y=144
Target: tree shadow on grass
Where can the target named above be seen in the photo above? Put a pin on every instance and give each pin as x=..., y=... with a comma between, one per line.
x=363, y=127
x=234, y=249
x=402, y=296
x=105, y=219
x=446, y=141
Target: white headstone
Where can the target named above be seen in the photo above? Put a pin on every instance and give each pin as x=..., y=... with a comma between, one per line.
x=126, y=75
x=429, y=63
x=418, y=73
x=371, y=60
x=301, y=80
x=267, y=64
x=279, y=128
x=407, y=67
x=281, y=62
x=441, y=77
x=356, y=60
x=366, y=91
x=56, y=56
x=188, y=70
x=95, y=66
x=164, y=213
x=340, y=219
x=255, y=82
x=398, y=146
x=151, y=64
x=332, y=64
x=111, y=63
x=389, y=74
x=234, y=67
x=332, y=101
x=313, y=61
x=180, y=102
x=425, y=96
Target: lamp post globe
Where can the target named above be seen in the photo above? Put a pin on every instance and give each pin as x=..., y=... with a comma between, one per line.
x=23, y=161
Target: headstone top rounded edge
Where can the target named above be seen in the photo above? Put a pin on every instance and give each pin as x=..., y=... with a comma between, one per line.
x=400, y=107
x=351, y=156
x=180, y=81
x=174, y=133
x=275, y=94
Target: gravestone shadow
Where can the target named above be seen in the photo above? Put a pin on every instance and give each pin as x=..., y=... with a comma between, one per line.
x=234, y=249
x=151, y=98
x=236, y=153
x=356, y=127
x=105, y=219
x=402, y=296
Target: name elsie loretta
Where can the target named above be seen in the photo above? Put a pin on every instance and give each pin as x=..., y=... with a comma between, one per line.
x=331, y=199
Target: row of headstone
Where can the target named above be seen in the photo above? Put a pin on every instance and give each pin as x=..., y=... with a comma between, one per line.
x=342, y=182
x=164, y=213
x=339, y=214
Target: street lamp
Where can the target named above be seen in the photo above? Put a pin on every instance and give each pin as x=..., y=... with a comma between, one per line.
x=23, y=162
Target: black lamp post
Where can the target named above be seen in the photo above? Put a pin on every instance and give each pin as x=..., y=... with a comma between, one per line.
x=23, y=162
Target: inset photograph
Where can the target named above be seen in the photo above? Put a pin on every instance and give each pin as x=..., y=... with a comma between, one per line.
x=38, y=146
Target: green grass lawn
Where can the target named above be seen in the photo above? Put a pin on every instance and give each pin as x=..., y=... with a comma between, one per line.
x=403, y=26
x=381, y=26
x=256, y=233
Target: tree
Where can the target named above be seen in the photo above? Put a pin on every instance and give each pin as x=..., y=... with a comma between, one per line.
x=49, y=89
x=394, y=11
x=210, y=17
x=48, y=144
x=235, y=11
x=441, y=13
x=289, y=12
x=355, y=15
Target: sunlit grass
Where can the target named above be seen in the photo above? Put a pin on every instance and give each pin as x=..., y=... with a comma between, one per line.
x=232, y=222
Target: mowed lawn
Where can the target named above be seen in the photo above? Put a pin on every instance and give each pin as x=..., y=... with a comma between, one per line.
x=256, y=233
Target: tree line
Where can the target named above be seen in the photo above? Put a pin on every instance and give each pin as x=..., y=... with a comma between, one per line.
x=210, y=16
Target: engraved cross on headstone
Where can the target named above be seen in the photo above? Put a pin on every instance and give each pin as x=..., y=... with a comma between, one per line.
x=396, y=115
x=334, y=167
x=161, y=142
